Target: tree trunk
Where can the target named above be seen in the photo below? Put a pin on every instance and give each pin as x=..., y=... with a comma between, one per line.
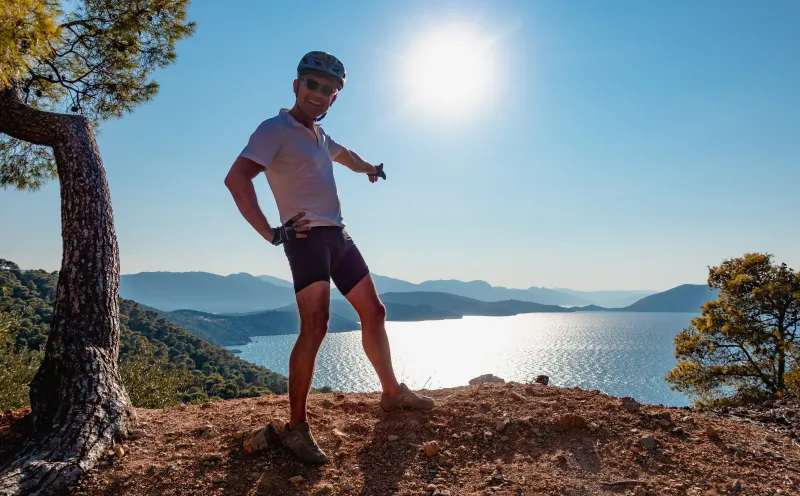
x=78, y=404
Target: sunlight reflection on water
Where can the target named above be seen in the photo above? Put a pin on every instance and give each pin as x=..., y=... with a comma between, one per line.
x=623, y=354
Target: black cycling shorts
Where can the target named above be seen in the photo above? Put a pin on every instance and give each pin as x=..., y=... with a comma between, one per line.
x=326, y=253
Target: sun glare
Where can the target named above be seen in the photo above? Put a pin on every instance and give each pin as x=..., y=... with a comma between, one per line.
x=449, y=69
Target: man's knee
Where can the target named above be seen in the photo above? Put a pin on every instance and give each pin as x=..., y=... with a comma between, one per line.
x=374, y=312
x=315, y=324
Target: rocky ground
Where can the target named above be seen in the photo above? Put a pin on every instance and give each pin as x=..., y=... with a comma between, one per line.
x=488, y=438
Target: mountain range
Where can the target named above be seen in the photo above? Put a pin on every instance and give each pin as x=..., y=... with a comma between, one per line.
x=235, y=329
x=244, y=293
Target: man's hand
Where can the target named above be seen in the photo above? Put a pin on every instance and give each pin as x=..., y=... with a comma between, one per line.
x=294, y=227
x=378, y=173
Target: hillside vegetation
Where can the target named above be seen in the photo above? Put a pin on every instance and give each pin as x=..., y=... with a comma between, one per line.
x=149, y=343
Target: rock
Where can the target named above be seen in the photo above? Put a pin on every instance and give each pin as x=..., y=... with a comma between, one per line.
x=441, y=492
x=119, y=450
x=138, y=434
x=430, y=424
x=392, y=438
x=239, y=426
x=519, y=396
x=430, y=487
x=323, y=490
x=561, y=456
x=431, y=448
x=664, y=422
x=486, y=378
x=218, y=479
x=737, y=486
x=256, y=440
x=770, y=438
x=648, y=442
x=570, y=421
x=213, y=457
x=206, y=405
x=542, y=379
x=711, y=432
x=326, y=403
x=504, y=438
x=526, y=422
x=501, y=425
x=206, y=430
x=639, y=491
x=630, y=404
x=297, y=479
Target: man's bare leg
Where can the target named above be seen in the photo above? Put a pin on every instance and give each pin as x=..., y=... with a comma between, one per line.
x=313, y=302
x=365, y=300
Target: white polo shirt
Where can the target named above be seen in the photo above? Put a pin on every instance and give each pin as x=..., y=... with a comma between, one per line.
x=299, y=168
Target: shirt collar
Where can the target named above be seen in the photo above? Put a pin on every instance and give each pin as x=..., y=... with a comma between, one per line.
x=294, y=121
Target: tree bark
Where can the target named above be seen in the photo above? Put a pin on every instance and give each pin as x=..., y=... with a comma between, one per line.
x=78, y=404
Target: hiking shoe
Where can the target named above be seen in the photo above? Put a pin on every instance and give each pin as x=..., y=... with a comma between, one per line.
x=406, y=399
x=300, y=441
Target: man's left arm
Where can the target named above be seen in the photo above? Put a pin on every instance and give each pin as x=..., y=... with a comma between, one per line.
x=353, y=161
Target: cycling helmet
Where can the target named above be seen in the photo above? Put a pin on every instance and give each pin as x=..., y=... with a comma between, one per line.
x=323, y=62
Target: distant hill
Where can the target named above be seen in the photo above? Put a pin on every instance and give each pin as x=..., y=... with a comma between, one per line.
x=228, y=330
x=204, y=292
x=398, y=311
x=277, y=281
x=463, y=305
x=609, y=299
x=684, y=298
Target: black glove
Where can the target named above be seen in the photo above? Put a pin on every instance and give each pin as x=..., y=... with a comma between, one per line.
x=281, y=234
x=380, y=172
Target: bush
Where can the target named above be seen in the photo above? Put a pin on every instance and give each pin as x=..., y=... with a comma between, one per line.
x=17, y=367
x=150, y=380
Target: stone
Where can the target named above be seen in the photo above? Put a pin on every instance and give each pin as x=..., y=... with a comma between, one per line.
x=431, y=448
x=218, y=479
x=138, y=434
x=561, y=456
x=542, y=379
x=297, y=479
x=323, y=490
x=630, y=404
x=207, y=405
x=737, y=486
x=664, y=422
x=648, y=442
x=238, y=426
x=639, y=491
x=570, y=421
x=392, y=438
x=526, y=422
x=486, y=378
x=711, y=432
x=119, y=450
x=519, y=396
x=256, y=440
x=213, y=457
x=501, y=425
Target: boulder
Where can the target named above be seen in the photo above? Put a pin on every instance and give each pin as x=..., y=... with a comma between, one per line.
x=486, y=378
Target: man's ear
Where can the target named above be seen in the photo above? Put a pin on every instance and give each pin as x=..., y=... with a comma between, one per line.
x=333, y=99
x=295, y=86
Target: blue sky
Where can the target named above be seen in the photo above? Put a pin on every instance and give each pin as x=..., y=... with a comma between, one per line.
x=619, y=145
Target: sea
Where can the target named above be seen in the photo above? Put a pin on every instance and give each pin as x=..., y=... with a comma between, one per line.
x=617, y=353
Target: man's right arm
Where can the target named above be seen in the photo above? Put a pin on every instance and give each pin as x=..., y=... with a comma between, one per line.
x=239, y=182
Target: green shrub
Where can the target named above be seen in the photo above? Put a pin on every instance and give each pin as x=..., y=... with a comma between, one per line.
x=151, y=381
x=17, y=367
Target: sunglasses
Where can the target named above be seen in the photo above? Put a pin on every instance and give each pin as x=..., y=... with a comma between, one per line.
x=314, y=85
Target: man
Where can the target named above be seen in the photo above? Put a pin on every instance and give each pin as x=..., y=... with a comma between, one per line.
x=297, y=157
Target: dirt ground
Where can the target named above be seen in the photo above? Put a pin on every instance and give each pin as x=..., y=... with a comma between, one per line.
x=492, y=438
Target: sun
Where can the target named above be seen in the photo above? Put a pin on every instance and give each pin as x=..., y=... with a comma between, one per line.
x=449, y=70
